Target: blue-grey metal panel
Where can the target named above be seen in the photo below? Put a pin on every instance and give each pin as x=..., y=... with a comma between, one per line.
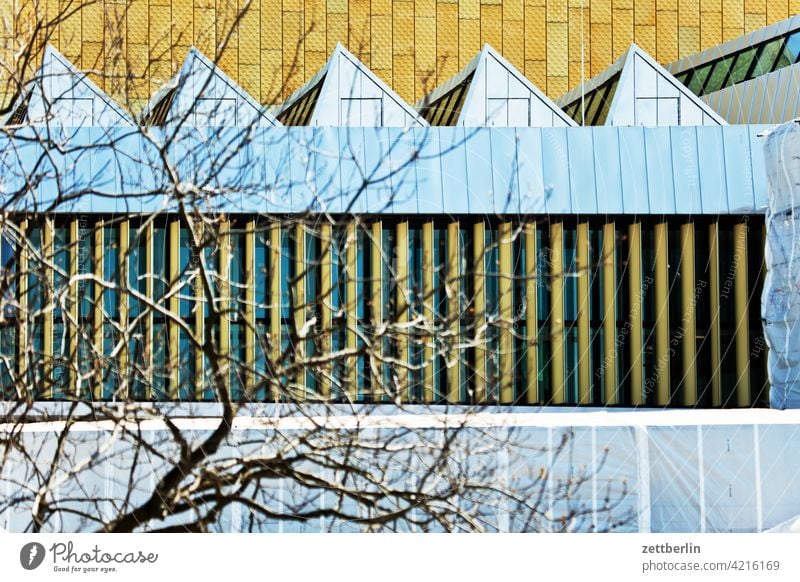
x=479, y=170
x=187, y=151
x=128, y=149
x=102, y=180
x=78, y=165
x=256, y=194
x=327, y=171
x=429, y=170
x=759, y=170
x=713, y=182
x=607, y=170
x=301, y=166
x=24, y=163
x=685, y=170
x=505, y=181
x=439, y=170
x=737, y=149
x=633, y=161
x=279, y=149
x=382, y=198
x=404, y=176
x=661, y=189
x=13, y=156
x=555, y=166
x=531, y=177
x=583, y=184
x=455, y=183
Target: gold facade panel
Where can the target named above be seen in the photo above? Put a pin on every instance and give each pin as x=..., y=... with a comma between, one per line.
x=469, y=9
x=710, y=28
x=601, y=46
x=688, y=39
x=645, y=37
x=778, y=10
x=578, y=35
x=667, y=37
x=623, y=31
x=469, y=40
x=425, y=41
x=446, y=42
x=601, y=12
x=755, y=6
x=733, y=14
x=437, y=38
x=688, y=12
x=644, y=12
x=513, y=10
x=492, y=26
x=557, y=49
x=754, y=22
x=512, y=49
x=557, y=11
x=535, y=33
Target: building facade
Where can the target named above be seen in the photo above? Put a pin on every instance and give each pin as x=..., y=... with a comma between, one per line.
x=469, y=264
x=331, y=269
x=275, y=46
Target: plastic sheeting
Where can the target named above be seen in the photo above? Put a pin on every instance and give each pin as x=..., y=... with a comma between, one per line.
x=780, y=301
x=644, y=471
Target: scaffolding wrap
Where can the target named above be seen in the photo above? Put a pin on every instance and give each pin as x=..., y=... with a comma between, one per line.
x=780, y=302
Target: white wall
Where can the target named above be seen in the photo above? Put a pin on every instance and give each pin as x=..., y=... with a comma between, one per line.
x=645, y=96
x=213, y=99
x=349, y=97
x=66, y=97
x=500, y=97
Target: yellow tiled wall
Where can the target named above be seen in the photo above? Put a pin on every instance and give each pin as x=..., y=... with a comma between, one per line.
x=412, y=44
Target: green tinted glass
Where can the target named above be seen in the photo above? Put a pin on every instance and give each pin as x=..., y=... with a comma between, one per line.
x=741, y=67
x=767, y=57
x=699, y=79
x=718, y=75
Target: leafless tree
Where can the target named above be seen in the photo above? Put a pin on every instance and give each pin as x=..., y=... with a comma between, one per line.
x=298, y=397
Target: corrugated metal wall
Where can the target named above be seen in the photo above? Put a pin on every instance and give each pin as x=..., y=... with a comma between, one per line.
x=653, y=311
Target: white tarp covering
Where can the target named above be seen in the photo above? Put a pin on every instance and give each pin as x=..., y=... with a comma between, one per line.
x=780, y=302
x=645, y=471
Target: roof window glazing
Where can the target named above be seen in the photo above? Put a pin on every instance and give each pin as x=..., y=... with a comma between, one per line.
x=596, y=104
x=445, y=111
x=743, y=65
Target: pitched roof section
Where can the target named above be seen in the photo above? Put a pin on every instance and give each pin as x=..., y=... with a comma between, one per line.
x=739, y=60
x=490, y=91
x=60, y=94
x=772, y=98
x=346, y=93
x=636, y=90
x=201, y=95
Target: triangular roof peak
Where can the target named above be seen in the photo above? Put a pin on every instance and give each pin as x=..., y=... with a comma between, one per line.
x=60, y=93
x=345, y=92
x=490, y=91
x=636, y=90
x=201, y=94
